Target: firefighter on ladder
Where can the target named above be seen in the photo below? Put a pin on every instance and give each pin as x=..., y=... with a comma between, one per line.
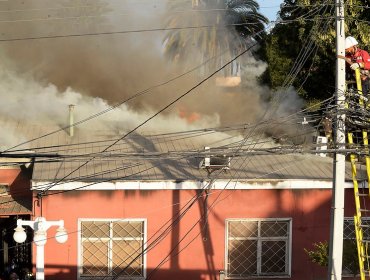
x=358, y=58
x=355, y=58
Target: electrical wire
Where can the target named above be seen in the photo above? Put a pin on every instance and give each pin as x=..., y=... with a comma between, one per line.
x=120, y=32
x=122, y=271
x=161, y=110
x=94, y=176
x=119, y=274
x=172, y=135
x=195, y=154
x=167, y=155
x=187, y=133
x=302, y=56
x=113, y=107
x=117, y=105
x=294, y=163
x=160, y=262
x=130, y=11
x=144, y=30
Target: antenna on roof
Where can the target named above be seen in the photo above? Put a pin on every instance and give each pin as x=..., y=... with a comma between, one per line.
x=71, y=120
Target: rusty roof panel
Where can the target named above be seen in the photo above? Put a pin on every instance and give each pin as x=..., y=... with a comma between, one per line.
x=12, y=206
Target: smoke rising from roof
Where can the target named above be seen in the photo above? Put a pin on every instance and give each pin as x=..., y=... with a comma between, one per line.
x=93, y=72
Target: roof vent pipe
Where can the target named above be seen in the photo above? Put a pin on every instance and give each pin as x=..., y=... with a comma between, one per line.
x=71, y=120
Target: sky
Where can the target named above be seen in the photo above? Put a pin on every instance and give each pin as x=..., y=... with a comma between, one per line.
x=269, y=8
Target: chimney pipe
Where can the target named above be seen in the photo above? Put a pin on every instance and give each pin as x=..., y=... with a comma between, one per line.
x=71, y=121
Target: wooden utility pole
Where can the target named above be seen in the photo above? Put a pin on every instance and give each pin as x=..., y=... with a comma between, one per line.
x=337, y=211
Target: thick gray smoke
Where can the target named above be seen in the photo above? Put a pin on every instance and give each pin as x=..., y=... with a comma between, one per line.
x=96, y=71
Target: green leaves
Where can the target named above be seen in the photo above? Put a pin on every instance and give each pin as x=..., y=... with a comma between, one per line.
x=307, y=41
x=319, y=254
x=220, y=25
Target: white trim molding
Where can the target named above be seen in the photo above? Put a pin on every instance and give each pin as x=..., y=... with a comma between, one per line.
x=188, y=185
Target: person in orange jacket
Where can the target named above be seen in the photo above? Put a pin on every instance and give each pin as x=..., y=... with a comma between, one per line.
x=358, y=58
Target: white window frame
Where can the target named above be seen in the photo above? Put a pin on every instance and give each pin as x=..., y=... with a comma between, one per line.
x=81, y=276
x=288, y=256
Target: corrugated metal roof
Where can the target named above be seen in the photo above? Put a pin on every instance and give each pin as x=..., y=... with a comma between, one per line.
x=161, y=157
x=12, y=206
x=157, y=158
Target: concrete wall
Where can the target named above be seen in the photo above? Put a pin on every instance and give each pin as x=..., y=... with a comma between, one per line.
x=200, y=255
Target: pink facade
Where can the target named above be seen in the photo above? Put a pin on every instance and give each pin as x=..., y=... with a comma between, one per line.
x=18, y=181
x=201, y=253
x=15, y=202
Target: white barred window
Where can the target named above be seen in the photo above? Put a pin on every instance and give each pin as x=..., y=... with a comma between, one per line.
x=258, y=247
x=112, y=248
x=350, y=264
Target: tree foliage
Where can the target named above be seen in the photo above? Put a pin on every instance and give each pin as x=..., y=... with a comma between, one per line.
x=219, y=25
x=320, y=255
x=300, y=51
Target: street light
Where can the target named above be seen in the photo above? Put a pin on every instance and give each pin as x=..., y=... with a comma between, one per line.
x=40, y=226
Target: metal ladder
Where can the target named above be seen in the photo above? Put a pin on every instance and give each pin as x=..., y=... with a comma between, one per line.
x=359, y=193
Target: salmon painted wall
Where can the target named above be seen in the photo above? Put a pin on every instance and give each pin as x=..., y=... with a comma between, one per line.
x=18, y=180
x=198, y=256
x=8, y=175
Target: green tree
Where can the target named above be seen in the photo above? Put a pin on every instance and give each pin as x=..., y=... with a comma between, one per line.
x=320, y=255
x=301, y=52
x=357, y=20
x=227, y=25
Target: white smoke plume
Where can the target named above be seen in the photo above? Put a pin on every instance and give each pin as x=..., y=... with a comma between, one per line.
x=41, y=77
x=28, y=101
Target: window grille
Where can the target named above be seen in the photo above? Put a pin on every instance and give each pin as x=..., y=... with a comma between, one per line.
x=258, y=248
x=112, y=249
x=350, y=246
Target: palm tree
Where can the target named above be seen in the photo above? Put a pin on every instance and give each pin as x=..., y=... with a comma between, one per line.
x=216, y=26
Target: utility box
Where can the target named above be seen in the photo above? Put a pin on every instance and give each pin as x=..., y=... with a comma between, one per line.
x=322, y=145
x=214, y=161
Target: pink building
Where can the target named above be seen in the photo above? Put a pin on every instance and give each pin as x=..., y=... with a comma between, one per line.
x=15, y=202
x=166, y=208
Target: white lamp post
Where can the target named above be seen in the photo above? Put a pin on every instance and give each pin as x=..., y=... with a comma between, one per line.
x=40, y=226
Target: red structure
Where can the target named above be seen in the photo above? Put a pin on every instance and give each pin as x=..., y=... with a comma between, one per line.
x=173, y=207
x=195, y=247
x=130, y=216
x=15, y=202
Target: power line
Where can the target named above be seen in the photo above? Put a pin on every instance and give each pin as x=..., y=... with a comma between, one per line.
x=294, y=163
x=121, y=32
x=165, y=259
x=175, y=245
x=113, y=107
x=192, y=133
x=146, y=30
x=211, y=180
x=120, y=273
x=146, y=155
x=154, y=9
x=172, y=135
x=163, y=109
x=143, y=92
x=304, y=54
x=187, y=154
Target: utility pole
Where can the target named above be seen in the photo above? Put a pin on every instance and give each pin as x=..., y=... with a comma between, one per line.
x=337, y=211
